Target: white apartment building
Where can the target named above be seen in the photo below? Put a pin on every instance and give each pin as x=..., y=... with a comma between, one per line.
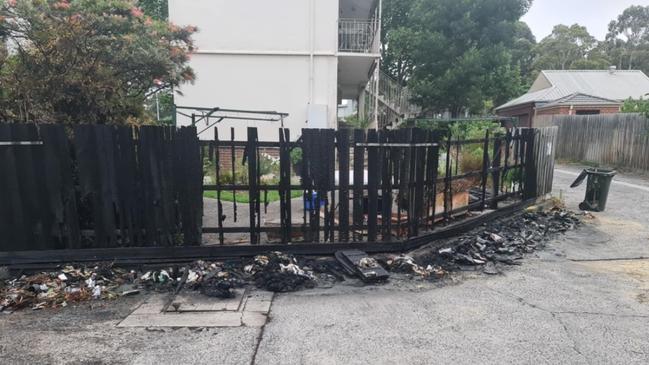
x=301, y=57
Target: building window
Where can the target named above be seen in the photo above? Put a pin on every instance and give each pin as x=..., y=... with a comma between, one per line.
x=587, y=112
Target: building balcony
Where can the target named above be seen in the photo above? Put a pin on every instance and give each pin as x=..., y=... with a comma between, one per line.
x=358, y=36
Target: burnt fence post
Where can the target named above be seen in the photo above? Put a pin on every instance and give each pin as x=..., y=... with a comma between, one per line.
x=497, y=173
x=485, y=169
x=253, y=183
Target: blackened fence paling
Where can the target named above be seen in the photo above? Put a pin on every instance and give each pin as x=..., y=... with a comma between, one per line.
x=394, y=184
x=98, y=186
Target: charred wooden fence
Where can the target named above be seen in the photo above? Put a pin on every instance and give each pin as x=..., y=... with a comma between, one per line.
x=365, y=186
x=96, y=186
x=137, y=193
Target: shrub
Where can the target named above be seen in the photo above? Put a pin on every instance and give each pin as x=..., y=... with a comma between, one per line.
x=268, y=164
x=472, y=159
x=636, y=106
x=86, y=61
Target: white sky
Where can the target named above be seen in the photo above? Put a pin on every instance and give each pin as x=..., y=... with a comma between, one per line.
x=593, y=14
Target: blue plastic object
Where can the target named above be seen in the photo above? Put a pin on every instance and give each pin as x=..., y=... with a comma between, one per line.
x=314, y=203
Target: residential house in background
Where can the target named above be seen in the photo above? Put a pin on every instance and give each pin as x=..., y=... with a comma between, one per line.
x=576, y=92
x=301, y=57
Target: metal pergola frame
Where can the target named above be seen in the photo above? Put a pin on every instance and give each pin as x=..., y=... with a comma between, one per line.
x=215, y=115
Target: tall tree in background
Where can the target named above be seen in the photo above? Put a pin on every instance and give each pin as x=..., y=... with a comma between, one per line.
x=628, y=38
x=566, y=47
x=87, y=61
x=455, y=54
x=396, y=44
x=524, y=52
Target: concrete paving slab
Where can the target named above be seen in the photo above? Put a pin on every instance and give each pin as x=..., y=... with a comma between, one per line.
x=197, y=310
x=152, y=304
x=258, y=301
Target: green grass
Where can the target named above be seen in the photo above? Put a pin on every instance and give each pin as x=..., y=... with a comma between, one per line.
x=242, y=196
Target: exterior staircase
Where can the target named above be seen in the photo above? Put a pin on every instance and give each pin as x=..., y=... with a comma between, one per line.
x=394, y=102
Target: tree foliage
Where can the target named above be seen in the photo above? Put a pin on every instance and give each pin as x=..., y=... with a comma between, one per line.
x=86, y=61
x=396, y=43
x=456, y=55
x=636, y=106
x=628, y=39
x=568, y=47
x=524, y=52
x=472, y=55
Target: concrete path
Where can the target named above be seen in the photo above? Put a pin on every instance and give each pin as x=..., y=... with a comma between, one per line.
x=572, y=303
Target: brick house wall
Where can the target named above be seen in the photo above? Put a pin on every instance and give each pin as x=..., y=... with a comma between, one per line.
x=225, y=154
x=565, y=109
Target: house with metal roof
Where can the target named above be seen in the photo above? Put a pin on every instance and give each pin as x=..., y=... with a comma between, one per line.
x=576, y=92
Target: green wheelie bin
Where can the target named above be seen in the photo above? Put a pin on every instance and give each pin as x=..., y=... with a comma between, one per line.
x=597, y=187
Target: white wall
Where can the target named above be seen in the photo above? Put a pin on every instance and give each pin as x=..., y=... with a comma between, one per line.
x=257, y=54
x=260, y=83
x=259, y=24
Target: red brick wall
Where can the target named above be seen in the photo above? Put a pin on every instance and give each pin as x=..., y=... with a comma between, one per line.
x=565, y=110
x=225, y=154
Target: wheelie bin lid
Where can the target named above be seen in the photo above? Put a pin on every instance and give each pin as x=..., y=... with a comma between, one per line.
x=594, y=171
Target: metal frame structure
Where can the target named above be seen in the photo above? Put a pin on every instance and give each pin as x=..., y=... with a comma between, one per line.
x=199, y=114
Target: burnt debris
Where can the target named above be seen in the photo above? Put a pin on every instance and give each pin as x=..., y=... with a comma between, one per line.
x=279, y=272
x=65, y=286
x=358, y=263
x=487, y=249
x=502, y=242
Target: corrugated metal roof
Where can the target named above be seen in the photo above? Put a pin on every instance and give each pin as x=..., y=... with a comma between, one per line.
x=545, y=95
x=616, y=85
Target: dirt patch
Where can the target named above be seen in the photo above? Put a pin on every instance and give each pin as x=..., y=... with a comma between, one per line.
x=638, y=270
x=619, y=225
